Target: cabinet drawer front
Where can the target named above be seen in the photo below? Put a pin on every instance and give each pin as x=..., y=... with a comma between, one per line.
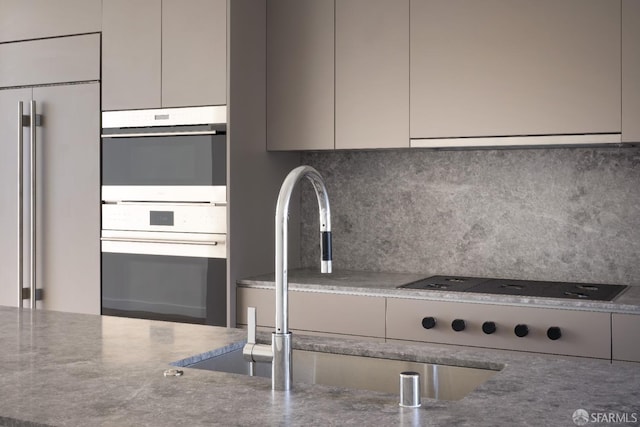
x=583, y=333
x=317, y=312
x=625, y=329
x=340, y=314
x=60, y=60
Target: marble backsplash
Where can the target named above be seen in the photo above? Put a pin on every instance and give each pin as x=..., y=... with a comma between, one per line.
x=567, y=214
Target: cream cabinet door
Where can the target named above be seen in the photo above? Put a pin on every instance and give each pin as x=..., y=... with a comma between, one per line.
x=35, y=19
x=68, y=197
x=50, y=61
x=164, y=53
x=131, y=54
x=194, y=52
x=625, y=329
x=300, y=75
x=514, y=68
x=630, y=71
x=372, y=74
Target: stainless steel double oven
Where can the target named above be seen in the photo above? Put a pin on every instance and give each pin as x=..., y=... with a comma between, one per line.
x=164, y=220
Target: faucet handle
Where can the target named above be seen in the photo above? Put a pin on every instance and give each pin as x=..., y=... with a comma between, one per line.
x=251, y=325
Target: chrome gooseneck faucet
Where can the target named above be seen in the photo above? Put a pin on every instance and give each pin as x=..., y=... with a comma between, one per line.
x=280, y=352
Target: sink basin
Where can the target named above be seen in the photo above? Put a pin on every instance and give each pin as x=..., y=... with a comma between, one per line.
x=360, y=372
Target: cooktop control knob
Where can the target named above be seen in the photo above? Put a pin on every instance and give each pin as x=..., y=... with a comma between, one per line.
x=428, y=322
x=458, y=325
x=489, y=327
x=554, y=333
x=521, y=330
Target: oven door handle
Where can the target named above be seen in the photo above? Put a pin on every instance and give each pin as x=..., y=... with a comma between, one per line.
x=163, y=241
x=147, y=134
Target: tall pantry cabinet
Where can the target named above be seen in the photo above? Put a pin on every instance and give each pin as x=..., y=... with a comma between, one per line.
x=62, y=76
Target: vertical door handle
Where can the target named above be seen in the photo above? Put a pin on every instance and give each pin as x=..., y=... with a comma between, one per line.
x=21, y=123
x=251, y=335
x=32, y=200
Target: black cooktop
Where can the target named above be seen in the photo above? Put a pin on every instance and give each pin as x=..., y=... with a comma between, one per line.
x=532, y=288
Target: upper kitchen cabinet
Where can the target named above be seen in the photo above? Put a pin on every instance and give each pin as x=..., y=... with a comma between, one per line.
x=337, y=74
x=630, y=71
x=50, y=61
x=372, y=74
x=194, y=52
x=300, y=74
x=131, y=54
x=163, y=53
x=34, y=19
x=515, y=68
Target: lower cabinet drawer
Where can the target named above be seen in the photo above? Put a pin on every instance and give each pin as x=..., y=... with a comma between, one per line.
x=625, y=329
x=576, y=333
x=317, y=312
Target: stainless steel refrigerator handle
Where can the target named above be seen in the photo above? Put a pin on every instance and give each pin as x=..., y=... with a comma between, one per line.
x=32, y=208
x=20, y=205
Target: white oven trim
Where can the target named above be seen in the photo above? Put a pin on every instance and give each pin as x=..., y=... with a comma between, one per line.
x=186, y=116
x=165, y=193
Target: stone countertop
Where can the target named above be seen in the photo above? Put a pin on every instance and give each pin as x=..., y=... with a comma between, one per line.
x=84, y=370
x=386, y=285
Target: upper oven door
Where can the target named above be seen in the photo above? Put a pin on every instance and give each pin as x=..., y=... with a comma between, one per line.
x=176, y=161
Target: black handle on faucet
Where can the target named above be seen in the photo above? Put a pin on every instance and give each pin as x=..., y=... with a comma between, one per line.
x=326, y=246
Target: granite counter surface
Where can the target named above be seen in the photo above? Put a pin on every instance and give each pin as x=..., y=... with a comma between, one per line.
x=386, y=285
x=83, y=370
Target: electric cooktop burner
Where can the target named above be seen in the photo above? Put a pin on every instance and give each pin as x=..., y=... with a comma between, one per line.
x=583, y=291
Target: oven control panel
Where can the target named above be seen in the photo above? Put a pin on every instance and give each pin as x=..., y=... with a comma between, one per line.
x=508, y=327
x=177, y=217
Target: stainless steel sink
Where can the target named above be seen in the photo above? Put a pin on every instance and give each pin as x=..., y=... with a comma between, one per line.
x=360, y=372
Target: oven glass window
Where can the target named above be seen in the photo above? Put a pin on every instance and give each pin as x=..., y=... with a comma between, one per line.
x=172, y=288
x=164, y=160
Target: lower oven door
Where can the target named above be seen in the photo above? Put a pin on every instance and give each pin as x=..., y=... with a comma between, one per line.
x=180, y=277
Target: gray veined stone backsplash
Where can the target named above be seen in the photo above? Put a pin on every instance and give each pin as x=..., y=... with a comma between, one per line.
x=542, y=214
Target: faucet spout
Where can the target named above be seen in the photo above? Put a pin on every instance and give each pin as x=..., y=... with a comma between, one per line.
x=282, y=374
x=280, y=352
x=282, y=220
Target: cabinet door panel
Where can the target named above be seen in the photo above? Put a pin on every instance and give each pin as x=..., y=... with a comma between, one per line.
x=317, y=312
x=630, y=71
x=131, y=56
x=57, y=60
x=9, y=128
x=625, y=330
x=194, y=50
x=69, y=197
x=33, y=19
x=300, y=75
x=372, y=73
x=338, y=314
x=503, y=67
